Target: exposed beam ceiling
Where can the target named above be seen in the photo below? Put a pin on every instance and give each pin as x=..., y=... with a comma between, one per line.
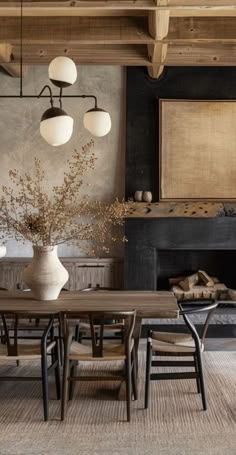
x=154, y=33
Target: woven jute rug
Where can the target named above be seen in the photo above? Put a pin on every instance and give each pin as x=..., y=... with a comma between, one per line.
x=96, y=422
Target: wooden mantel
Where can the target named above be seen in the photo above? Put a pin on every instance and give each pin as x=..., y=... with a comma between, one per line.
x=177, y=210
x=151, y=33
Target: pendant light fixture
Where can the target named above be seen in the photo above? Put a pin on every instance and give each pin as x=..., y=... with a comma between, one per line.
x=56, y=126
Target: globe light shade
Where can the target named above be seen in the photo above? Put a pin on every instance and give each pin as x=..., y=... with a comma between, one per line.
x=97, y=122
x=56, y=127
x=62, y=72
x=3, y=250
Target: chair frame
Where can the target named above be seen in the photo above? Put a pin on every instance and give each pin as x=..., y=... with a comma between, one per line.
x=196, y=363
x=119, y=330
x=12, y=351
x=70, y=366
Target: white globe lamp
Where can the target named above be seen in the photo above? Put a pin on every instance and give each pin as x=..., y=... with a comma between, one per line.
x=97, y=122
x=62, y=72
x=56, y=126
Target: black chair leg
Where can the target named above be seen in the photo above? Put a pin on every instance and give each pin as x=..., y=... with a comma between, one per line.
x=201, y=380
x=60, y=343
x=64, y=387
x=57, y=370
x=197, y=380
x=128, y=386
x=148, y=370
x=134, y=376
x=78, y=336
x=72, y=383
x=45, y=385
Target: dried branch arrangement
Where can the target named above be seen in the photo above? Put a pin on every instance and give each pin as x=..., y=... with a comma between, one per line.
x=31, y=213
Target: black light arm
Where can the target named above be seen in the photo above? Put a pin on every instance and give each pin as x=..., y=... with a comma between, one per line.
x=50, y=91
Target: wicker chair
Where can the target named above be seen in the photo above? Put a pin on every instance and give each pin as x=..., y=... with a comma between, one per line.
x=173, y=344
x=30, y=349
x=99, y=350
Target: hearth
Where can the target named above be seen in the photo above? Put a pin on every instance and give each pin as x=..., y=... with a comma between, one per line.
x=174, y=263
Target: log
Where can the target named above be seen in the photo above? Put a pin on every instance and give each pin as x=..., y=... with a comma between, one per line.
x=189, y=282
x=205, y=278
x=175, y=280
x=201, y=292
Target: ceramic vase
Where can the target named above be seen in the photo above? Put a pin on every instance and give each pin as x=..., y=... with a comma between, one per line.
x=3, y=250
x=45, y=275
x=138, y=195
x=147, y=196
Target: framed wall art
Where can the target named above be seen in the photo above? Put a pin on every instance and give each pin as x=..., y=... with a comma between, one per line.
x=197, y=150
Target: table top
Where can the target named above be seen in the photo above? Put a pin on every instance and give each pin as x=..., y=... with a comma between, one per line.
x=148, y=304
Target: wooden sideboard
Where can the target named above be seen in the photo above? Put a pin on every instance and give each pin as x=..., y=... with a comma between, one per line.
x=107, y=272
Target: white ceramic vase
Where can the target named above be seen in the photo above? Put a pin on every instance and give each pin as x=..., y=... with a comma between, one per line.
x=45, y=275
x=3, y=250
x=147, y=196
x=138, y=196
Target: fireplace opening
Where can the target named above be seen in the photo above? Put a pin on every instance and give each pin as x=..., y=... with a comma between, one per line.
x=218, y=263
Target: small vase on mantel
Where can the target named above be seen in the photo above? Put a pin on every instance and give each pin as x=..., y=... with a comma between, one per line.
x=45, y=275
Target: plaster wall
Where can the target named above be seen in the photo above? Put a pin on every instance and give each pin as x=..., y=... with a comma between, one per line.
x=21, y=141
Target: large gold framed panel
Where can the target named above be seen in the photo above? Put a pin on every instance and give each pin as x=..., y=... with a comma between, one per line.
x=197, y=150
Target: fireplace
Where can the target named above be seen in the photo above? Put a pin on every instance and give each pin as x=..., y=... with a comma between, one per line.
x=162, y=247
x=174, y=263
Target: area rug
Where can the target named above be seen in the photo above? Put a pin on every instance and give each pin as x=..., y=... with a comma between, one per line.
x=96, y=422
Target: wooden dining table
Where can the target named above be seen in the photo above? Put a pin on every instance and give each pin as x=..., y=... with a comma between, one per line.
x=148, y=304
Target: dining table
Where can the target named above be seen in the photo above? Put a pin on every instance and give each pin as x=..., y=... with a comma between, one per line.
x=148, y=305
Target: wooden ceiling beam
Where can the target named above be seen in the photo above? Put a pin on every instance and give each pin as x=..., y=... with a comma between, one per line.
x=6, y=59
x=177, y=8
x=201, y=55
x=122, y=55
x=77, y=30
x=119, y=30
x=131, y=55
x=199, y=30
x=158, y=23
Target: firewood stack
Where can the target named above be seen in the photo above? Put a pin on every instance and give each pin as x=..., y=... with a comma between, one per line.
x=197, y=286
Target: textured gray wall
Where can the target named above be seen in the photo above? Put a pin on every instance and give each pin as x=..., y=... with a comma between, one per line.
x=21, y=141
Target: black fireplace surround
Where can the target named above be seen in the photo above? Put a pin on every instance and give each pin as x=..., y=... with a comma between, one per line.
x=164, y=247
x=160, y=247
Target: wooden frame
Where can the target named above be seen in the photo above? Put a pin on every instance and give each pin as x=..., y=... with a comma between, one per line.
x=197, y=150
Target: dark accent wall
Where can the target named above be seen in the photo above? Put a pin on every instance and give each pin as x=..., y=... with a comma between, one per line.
x=142, y=113
x=148, y=237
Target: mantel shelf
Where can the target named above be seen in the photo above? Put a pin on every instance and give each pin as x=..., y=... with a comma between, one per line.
x=181, y=210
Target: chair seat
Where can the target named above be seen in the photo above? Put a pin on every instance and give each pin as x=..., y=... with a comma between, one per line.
x=26, y=351
x=79, y=351
x=173, y=342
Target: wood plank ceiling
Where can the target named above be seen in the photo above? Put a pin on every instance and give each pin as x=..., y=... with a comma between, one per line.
x=151, y=33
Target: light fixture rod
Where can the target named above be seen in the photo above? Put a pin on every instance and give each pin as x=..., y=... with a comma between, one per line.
x=50, y=91
x=49, y=96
